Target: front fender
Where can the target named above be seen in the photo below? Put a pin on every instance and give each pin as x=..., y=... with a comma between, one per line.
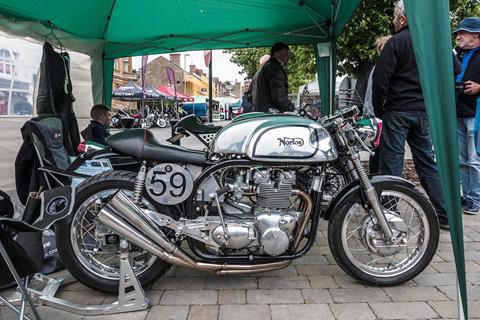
x=353, y=189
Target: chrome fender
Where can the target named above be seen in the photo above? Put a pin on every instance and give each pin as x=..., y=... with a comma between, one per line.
x=353, y=189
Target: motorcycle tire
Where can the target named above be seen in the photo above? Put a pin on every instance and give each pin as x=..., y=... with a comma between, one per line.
x=415, y=262
x=88, y=269
x=161, y=123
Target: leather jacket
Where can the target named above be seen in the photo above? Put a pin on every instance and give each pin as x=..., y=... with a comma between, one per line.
x=270, y=88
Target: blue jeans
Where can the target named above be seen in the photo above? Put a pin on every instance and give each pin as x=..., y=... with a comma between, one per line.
x=469, y=161
x=411, y=126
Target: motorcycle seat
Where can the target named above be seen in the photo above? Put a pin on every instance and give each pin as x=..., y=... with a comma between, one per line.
x=193, y=124
x=141, y=144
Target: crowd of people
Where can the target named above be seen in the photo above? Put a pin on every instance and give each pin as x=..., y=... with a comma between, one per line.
x=393, y=93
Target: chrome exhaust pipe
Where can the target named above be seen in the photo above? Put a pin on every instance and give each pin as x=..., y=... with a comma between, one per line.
x=124, y=229
x=125, y=208
x=123, y=216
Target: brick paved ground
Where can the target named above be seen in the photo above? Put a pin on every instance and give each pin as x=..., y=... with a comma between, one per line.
x=314, y=287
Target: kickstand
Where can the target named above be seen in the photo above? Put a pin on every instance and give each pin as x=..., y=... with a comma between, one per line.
x=131, y=296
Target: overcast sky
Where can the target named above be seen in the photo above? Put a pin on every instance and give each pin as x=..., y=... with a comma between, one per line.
x=221, y=65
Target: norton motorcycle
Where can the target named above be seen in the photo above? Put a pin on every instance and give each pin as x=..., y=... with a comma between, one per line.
x=251, y=203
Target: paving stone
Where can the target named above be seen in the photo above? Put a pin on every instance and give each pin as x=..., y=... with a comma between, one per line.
x=283, y=283
x=319, y=270
x=321, y=282
x=345, y=281
x=168, y=313
x=349, y=311
x=138, y=315
x=56, y=314
x=449, y=267
x=449, y=309
x=438, y=279
x=230, y=282
x=289, y=271
x=188, y=272
x=274, y=296
x=473, y=277
x=316, y=296
x=403, y=310
x=323, y=250
x=473, y=292
x=311, y=260
x=154, y=296
x=301, y=311
x=415, y=294
x=469, y=255
x=359, y=295
x=192, y=297
x=179, y=283
x=244, y=312
x=232, y=297
x=90, y=297
x=203, y=313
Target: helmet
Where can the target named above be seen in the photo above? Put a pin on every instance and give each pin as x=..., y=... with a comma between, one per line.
x=370, y=131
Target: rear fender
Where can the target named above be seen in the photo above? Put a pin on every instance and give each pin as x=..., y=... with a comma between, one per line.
x=353, y=189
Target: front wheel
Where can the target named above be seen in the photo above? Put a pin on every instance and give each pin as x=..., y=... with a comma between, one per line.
x=358, y=245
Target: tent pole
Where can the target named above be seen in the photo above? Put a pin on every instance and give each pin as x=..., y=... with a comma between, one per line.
x=210, y=93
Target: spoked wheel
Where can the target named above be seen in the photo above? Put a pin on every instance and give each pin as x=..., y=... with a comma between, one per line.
x=114, y=122
x=161, y=123
x=359, y=247
x=91, y=251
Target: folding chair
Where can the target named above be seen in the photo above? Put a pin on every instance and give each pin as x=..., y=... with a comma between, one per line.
x=56, y=205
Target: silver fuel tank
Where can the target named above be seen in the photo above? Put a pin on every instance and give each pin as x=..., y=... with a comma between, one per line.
x=273, y=138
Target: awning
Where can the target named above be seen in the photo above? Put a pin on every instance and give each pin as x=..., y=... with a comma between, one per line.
x=170, y=92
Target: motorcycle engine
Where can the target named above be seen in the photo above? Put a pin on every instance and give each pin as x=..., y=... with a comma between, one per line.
x=270, y=229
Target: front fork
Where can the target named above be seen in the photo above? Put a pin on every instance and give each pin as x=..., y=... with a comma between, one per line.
x=372, y=197
x=349, y=140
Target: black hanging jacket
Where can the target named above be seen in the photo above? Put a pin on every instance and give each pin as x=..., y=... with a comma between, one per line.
x=55, y=91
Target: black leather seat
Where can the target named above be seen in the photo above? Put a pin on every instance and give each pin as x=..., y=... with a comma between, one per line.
x=193, y=124
x=141, y=144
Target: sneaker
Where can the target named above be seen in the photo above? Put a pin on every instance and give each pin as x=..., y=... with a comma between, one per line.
x=444, y=226
x=471, y=208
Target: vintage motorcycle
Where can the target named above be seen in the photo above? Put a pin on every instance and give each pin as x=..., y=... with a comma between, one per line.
x=252, y=203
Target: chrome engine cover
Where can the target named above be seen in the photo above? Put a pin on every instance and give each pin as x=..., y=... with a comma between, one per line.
x=241, y=234
x=275, y=229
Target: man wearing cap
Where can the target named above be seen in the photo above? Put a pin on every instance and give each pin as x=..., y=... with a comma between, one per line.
x=467, y=84
x=398, y=100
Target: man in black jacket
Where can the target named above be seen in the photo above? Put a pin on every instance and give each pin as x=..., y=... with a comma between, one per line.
x=468, y=100
x=270, y=84
x=398, y=100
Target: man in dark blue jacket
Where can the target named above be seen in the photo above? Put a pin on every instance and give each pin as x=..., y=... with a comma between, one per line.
x=97, y=129
x=468, y=101
x=398, y=99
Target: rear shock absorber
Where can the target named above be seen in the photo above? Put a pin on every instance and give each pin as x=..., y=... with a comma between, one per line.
x=139, y=184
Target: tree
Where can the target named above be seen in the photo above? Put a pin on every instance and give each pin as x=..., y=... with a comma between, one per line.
x=356, y=45
x=301, y=67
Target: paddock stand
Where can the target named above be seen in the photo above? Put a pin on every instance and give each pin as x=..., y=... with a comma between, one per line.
x=131, y=296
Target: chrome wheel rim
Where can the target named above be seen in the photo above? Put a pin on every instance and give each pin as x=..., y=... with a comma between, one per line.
x=88, y=239
x=357, y=225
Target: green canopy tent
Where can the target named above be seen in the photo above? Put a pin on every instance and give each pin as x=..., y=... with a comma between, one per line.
x=110, y=29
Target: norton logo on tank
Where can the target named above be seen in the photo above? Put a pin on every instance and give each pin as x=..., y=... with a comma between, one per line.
x=288, y=141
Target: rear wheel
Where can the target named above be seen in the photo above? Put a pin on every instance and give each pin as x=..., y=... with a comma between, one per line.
x=358, y=245
x=89, y=250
